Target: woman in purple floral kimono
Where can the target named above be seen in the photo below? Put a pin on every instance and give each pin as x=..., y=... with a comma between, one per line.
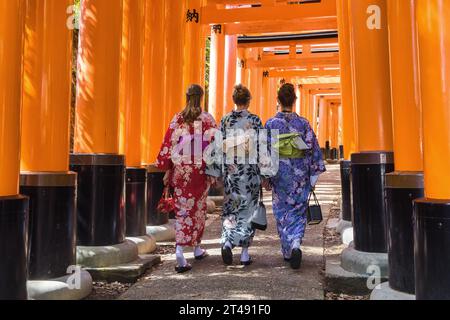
x=296, y=177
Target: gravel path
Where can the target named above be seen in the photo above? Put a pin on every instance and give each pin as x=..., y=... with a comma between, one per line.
x=268, y=278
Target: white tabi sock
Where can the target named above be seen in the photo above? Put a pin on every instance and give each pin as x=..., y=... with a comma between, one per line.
x=228, y=245
x=198, y=251
x=244, y=255
x=180, y=257
x=295, y=245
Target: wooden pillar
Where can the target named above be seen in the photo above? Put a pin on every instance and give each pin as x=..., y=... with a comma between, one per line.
x=331, y=124
x=230, y=72
x=13, y=207
x=194, y=49
x=323, y=122
x=406, y=108
x=431, y=232
x=406, y=183
x=265, y=111
x=11, y=40
x=349, y=125
x=97, y=112
x=315, y=113
x=258, y=104
x=100, y=204
x=434, y=60
x=303, y=98
x=340, y=125
x=47, y=87
x=131, y=81
x=298, y=103
x=335, y=143
x=370, y=62
x=174, y=41
x=310, y=107
x=273, y=97
x=45, y=176
x=372, y=100
x=153, y=99
x=217, y=72
x=240, y=75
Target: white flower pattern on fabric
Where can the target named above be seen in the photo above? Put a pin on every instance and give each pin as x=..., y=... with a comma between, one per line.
x=241, y=181
x=188, y=181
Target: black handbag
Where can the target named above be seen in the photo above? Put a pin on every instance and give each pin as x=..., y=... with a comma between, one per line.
x=314, y=211
x=259, y=217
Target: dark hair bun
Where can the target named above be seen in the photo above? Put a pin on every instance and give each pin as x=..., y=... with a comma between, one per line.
x=287, y=95
x=241, y=95
x=194, y=90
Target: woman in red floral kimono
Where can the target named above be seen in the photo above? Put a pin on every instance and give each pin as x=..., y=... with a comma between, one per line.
x=182, y=158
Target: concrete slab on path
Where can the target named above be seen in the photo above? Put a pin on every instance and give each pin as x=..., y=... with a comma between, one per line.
x=128, y=272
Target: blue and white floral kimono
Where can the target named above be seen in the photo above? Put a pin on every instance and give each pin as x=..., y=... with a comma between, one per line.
x=292, y=184
x=242, y=181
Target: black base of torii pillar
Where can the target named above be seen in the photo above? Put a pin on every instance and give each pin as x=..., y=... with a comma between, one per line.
x=402, y=188
x=13, y=247
x=369, y=211
x=432, y=243
x=367, y=255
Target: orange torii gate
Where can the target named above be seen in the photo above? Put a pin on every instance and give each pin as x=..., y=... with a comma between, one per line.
x=329, y=120
x=266, y=17
x=222, y=15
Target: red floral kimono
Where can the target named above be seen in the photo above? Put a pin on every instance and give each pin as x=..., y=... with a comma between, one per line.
x=188, y=181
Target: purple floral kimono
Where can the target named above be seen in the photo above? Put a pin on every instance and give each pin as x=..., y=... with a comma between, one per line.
x=291, y=185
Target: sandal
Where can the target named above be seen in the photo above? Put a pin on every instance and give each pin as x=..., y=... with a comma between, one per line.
x=203, y=256
x=184, y=269
x=227, y=256
x=247, y=263
x=296, y=260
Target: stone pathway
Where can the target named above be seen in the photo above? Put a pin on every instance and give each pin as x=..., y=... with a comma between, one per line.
x=268, y=278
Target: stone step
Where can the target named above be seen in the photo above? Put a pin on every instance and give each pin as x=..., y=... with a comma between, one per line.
x=125, y=273
x=63, y=288
x=164, y=233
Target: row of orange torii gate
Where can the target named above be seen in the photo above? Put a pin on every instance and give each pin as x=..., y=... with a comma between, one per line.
x=377, y=70
x=136, y=59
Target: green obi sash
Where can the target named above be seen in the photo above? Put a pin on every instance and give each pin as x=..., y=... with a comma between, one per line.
x=287, y=147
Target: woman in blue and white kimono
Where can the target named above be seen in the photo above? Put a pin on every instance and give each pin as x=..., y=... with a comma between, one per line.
x=242, y=181
x=296, y=177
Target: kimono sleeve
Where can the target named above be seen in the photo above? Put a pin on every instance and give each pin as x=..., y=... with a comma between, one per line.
x=268, y=157
x=317, y=165
x=164, y=159
x=214, y=163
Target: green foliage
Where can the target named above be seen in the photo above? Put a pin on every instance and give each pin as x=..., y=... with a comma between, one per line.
x=74, y=77
x=207, y=70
